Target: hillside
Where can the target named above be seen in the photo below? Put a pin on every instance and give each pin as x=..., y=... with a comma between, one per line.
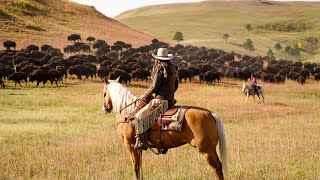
x=203, y=24
x=46, y=21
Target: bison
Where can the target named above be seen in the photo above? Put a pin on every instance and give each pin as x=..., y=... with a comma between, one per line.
x=8, y=44
x=74, y=37
x=91, y=39
x=18, y=76
x=211, y=76
x=124, y=76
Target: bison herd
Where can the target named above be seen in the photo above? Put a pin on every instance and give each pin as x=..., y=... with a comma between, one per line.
x=48, y=64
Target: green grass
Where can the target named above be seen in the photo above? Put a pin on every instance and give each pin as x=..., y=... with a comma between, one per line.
x=60, y=133
x=203, y=24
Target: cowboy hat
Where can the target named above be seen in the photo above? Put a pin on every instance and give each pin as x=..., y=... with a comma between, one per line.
x=162, y=54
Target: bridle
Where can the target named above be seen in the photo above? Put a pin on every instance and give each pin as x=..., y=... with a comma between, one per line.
x=104, y=103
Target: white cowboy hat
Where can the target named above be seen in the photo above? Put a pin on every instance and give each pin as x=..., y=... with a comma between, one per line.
x=162, y=54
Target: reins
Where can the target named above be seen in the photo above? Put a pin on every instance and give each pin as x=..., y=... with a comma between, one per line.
x=129, y=105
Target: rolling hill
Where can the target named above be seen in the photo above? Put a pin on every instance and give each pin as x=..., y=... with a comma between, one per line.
x=39, y=22
x=204, y=24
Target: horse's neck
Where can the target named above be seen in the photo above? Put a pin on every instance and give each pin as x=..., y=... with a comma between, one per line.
x=122, y=100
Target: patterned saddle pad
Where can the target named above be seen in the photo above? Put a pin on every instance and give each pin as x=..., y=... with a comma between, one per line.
x=172, y=119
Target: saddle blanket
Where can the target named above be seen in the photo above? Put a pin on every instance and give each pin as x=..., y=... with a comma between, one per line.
x=172, y=119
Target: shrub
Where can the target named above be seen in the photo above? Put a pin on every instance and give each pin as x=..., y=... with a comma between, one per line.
x=277, y=46
x=248, y=45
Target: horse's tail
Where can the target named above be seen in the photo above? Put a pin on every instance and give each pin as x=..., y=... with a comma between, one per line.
x=222, y=141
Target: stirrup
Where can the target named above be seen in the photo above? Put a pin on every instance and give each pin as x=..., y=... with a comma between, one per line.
x=139, y=144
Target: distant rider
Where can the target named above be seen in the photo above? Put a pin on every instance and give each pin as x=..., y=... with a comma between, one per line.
x=254, y=84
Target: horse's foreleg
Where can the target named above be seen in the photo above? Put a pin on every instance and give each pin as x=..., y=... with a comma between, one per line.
x=134, y=159
x=262, y=97
x=247, y=97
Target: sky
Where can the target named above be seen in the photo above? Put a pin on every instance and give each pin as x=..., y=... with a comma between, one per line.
x=112, y=8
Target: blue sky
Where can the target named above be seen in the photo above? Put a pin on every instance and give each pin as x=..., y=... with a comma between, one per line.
x=111, y=8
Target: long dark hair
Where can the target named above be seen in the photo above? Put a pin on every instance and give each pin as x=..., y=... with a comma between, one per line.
x=167, y=66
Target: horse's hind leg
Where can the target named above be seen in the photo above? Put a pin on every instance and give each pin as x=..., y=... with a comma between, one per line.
x=207, y=148
x=213, y=160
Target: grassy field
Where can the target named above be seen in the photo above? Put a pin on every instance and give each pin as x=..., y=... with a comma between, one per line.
x=203, y=24
x=51, y=22
x=60, y=133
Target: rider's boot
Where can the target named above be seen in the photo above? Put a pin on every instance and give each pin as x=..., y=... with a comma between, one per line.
x=141, y=141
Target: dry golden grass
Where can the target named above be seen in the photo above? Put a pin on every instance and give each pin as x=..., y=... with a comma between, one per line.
x=60, y=133
x=21, y=20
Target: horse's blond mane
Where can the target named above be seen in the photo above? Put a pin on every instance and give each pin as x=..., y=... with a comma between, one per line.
x=120, y=98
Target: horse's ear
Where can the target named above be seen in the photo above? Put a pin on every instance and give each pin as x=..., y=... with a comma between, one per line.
x=106, y=80
x=118, y=79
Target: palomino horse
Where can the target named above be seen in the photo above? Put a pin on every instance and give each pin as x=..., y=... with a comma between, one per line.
x=202, y=129
x=249, y=90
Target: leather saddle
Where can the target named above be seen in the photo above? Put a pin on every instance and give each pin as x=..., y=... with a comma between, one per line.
x=172, y=119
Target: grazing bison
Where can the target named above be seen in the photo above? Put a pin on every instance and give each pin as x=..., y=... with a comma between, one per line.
x=82, y=70
x=317, y=76
x=301, y=80
x=91, y=39
x=55, y=76
x=183, y=74
x=45, y=48
x=141, y=74
x=32, y=48
x=62, y=70
x=41, y=75
x=2, y=83
x=124, y=76
x=103, y=72
x=74, y=37
x=9, y=44
x=17, y=77
x=244, y=74
x=211, y=76
x=85, y=48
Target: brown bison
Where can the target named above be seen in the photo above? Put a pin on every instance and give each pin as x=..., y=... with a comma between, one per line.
x=9, y=44
x=124, y=76
x=91, y=39
x=17, y=77
x=74, y=37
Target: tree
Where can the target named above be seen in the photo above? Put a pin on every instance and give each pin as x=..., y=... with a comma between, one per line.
x=248, y=27
x=287, y=48
x=294, y=52
x=226, y=37
x=277, y=46
x=178, y=37
x=248, y=45
x=270, y=54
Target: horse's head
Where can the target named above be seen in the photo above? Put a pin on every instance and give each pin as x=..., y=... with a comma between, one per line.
x=107, y=103
x=117, y=98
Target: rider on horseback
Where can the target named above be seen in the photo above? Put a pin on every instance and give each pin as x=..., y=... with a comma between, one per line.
x=254, y=84
x=164, y=85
